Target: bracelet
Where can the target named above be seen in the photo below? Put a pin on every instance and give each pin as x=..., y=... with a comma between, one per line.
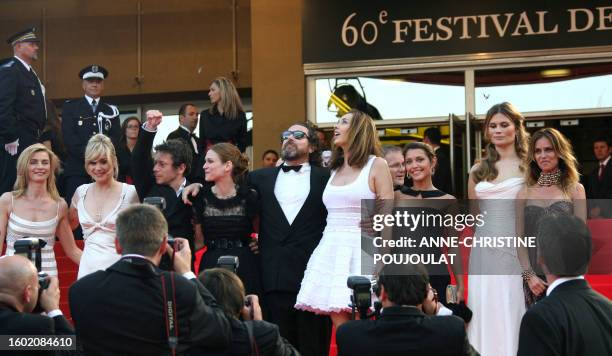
x=527, y=274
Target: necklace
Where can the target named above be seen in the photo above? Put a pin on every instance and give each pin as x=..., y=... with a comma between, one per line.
x=549, y=178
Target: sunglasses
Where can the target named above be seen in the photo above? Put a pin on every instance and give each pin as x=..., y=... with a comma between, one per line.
x=298, y=135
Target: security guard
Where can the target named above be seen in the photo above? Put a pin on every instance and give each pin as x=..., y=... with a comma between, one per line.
x=81, y=119
x=22, y=104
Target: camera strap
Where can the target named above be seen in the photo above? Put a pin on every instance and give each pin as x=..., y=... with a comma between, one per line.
x=254, y=348
x=170, y=310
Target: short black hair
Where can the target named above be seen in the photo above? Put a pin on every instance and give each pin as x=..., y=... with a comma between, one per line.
x=404, y=285
x=180, y=152
x=183, y=108
x=269, y=151
x=602, y=139
x=564, y=244
x=434, y=134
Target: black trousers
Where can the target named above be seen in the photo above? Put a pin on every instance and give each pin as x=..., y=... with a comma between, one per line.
x=8, y=171
x=308, y=332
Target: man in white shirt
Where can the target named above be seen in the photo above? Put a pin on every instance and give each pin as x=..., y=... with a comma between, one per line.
x=573, y=319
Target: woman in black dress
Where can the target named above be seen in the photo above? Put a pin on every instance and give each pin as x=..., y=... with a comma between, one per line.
x=225, y=120
x=226, y=210
x=129, y=135
x=423, y=197
x=551, y=187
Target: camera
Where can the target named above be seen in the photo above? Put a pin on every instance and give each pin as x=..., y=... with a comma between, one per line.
x=30, y=248
x=228, y=262
x=158, y=202
x=362, y=295
x=171, y=241
x=43, y=282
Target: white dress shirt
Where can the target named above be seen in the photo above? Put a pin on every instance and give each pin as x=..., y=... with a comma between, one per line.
x=292, y=189
x=194, y=144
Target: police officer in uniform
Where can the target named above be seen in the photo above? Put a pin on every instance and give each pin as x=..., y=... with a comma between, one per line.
x=22, y=104
x=81, y=119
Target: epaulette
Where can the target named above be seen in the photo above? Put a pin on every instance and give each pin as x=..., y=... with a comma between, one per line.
x=7, y=62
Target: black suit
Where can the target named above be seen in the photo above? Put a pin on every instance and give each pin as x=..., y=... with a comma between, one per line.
x=442, y=177
x=197, y=171
x=404, y=331
x=601, y=189
x=572, y=320
x=120, y=311
x=79, y=124
x=177, y=214
x=285, y=250
x=22, y=115
x=13, y=322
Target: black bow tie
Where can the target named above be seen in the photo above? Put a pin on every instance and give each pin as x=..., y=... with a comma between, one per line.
x=291, y=168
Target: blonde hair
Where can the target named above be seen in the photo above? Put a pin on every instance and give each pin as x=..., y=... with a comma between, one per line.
x=229, y=104
x=565, y=153
x=486, y=170
x=21, y=183
x=363, y=142
x=101, y=146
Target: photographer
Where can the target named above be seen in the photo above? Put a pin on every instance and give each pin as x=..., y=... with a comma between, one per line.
x=408, y=324
x=134, y=307
x=19, y=295
x=164, y=176
x=253, y=336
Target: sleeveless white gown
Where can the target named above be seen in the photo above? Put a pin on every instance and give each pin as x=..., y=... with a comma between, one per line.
x=495, y=285
x=339, y=253
x=99, y=252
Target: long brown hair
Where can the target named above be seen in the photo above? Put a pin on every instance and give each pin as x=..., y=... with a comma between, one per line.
x=21, y=183
x=486, y=170
x=565, y=153
x=229, y=104
x=363, y=142
x=228, y=152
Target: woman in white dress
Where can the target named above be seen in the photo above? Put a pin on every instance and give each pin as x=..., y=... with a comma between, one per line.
x=35, y=209
x=495, y=286
x=358, y=173
x=96, y=205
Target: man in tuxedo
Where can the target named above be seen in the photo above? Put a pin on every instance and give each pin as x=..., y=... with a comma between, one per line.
x=599, y=186
x=441, y=178
x=292, y=219
x=408, y=324
x=19, y=291
x=83, y=118
x=188, y=120
x=22, y=104
x=124, y=309
x=395, y=160
x=163, y=175
x=572, y=319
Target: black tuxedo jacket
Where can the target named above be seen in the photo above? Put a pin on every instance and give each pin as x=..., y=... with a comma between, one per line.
x=572, y=320
x=177, y=214
x=442, y=176
x=285, y=249
x=120, y=311
x=404, y=331
x=79, y=124
x=22, y=105
x=601, y=189
x=196, y=174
